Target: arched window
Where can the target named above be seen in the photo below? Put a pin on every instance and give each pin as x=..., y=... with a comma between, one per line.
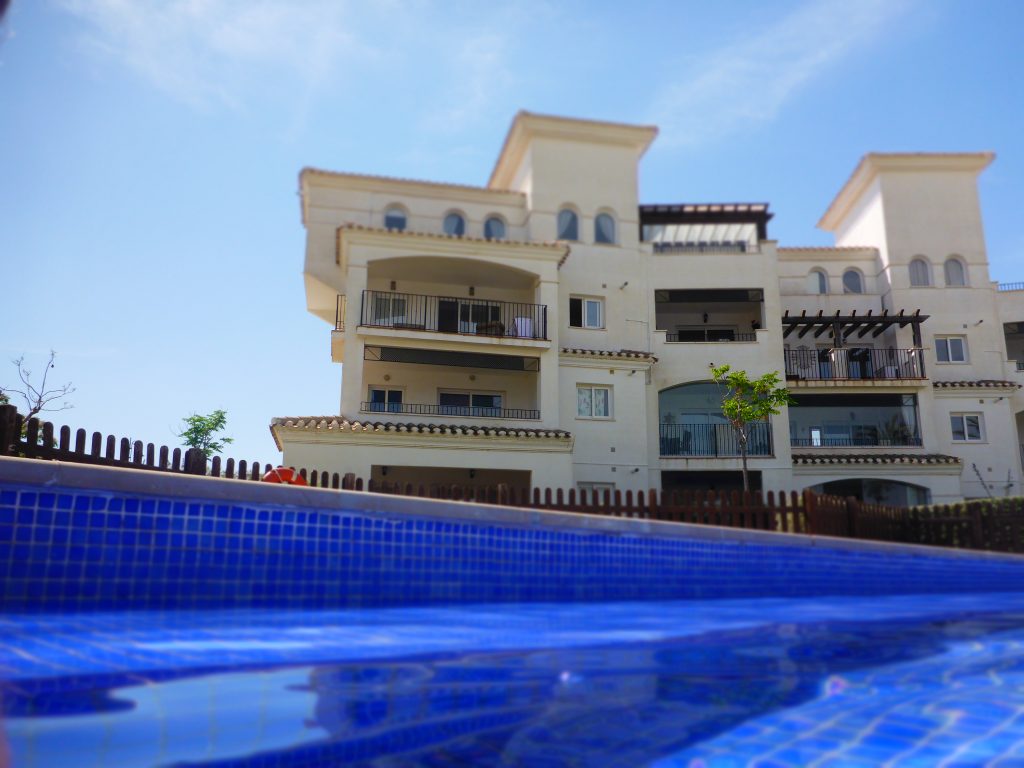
x=494, y=228
x=852, y=282
x=604, y=228
x=454, y=224
x=920, y=274
x=955, y=274
x=394, y=218
x=568, y=225
x=817, y=281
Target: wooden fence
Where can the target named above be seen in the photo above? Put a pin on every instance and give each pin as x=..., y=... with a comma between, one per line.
x=995, y=524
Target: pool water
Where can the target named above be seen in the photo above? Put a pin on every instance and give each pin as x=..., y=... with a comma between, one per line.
x=903, y=680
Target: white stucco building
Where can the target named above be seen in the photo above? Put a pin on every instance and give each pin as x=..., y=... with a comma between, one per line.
x=550, y=330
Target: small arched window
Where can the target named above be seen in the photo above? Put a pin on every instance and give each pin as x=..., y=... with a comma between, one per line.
x=394, y=218
x=852, y=282
x=817, y=282
x=920, y=275
x=454, y=224
x=604, y=228
x=955, y=274
x=568, y=225
x=494, y=228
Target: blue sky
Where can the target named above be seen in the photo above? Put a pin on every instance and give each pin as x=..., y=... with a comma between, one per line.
x=149, y=152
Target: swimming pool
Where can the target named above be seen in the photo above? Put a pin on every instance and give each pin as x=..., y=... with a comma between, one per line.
x=156, y=622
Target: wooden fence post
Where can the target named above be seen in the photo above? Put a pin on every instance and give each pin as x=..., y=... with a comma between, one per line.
x=977, y=530
x=195, y=462
x=8, y=429
x=810, y=513
x=853, y=512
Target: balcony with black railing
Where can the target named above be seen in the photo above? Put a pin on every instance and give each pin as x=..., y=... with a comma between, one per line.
x=713, y=440
x=856, y=441
x=430, y=409
x=450, y=314
x=853, y=363
x=708, y=335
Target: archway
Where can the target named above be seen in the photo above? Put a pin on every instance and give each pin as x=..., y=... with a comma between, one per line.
x=873, y=490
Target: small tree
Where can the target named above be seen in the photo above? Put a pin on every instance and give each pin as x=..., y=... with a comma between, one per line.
x=36, y=396
x=746, y=401
x=200, y=432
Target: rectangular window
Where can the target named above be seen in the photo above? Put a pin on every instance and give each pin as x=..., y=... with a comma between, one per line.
x=385, y=400
x=456, y=403
x=967, y=427
x=586, y=313
x=593, y=402
x=596, y=490
x=951, y=349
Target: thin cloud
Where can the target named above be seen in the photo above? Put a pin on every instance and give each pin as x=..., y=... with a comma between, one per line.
x=750, y=81
x=218, y=52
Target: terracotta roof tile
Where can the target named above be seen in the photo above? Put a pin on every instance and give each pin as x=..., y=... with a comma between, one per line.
x=341, y=424
x=811, y=459
x=549, y=244
x=630, y=354
x=977, y=384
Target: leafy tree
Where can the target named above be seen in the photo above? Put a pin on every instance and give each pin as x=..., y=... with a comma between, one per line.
x=36, y=396
x=201, y=432
x=746, y=401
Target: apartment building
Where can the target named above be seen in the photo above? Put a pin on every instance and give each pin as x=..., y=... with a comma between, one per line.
x=549, y=330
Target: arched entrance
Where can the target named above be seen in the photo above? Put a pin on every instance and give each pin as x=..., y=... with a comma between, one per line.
x=877, y=491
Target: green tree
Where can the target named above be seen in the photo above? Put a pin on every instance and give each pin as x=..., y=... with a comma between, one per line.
x=200, y=432
x=747, y=401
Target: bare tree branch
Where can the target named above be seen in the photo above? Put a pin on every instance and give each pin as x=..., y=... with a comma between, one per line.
x=39, y=399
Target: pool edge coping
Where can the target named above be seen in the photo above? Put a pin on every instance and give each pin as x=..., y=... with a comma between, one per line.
x=46, y=473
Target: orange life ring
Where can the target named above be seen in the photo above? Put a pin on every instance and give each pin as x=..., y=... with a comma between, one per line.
x=285, y=475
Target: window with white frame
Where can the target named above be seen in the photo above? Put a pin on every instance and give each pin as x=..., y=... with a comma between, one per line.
x=951, y=349
x=598, y=488
x=853, y=282
x=586, y=312
x=494, y=228
x=817, y=282
x=920, y=274
x=395, y=218
x=956, y=275
x=967, y=427
x=593, y=402
x=568, y=225
x=384, y=400
x=454, y=224
x=604, y=229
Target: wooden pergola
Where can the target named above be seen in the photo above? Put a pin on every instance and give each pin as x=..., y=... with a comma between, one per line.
x=844, y=326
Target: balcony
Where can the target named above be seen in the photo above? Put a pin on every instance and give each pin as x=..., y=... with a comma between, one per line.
x=708, y=335
x=854, y=364
x=712, y=440
x=1011, y=286
x=425, y=409
x=868, y=439
x=450, y=314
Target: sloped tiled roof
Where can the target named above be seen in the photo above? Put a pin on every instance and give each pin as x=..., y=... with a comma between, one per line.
x=630, y=354
x=341, y=424
x=811, y=459
x=977, y=384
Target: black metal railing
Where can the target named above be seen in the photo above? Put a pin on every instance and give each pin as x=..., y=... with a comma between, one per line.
x=1020, y=365
x=426, y=409
x=708, y=334
x=450, y=314
x=713, y=440
x=1011, y=286
x=854, y=363
x=864, y=441
x=739, y=246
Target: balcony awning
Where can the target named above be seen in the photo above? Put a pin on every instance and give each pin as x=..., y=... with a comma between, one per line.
x=842, y=327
